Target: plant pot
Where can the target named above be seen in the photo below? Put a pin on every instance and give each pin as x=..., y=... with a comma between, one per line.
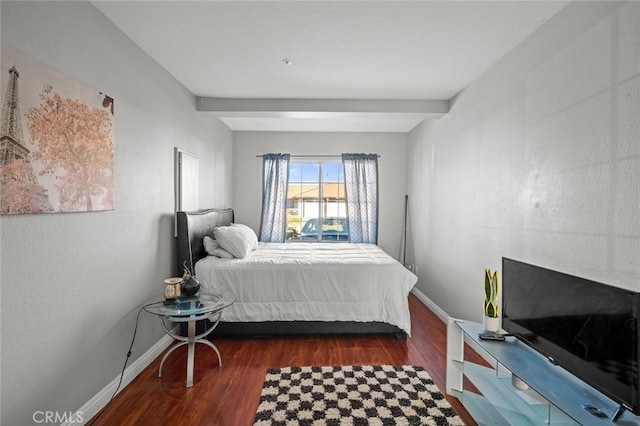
x=491, y=324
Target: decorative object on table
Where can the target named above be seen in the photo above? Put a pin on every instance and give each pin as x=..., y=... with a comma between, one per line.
x=190, y=284
x=389, y=394
x=64, y=160
x=490, y=319
x=172, y=289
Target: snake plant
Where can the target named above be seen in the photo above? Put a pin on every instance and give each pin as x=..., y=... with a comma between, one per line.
x=490, y=304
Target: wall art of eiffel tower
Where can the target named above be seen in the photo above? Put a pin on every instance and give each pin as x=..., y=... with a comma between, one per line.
x=12, y=148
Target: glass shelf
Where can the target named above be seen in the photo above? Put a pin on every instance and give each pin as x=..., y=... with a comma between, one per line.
x=517, y=407
x=182, y=309
x=483, y=412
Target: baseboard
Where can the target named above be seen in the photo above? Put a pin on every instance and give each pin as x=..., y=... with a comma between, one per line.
x=440, y=313
x=431, y=305
x=102, y=398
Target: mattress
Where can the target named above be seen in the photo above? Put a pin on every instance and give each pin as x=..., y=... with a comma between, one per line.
x=311, y=282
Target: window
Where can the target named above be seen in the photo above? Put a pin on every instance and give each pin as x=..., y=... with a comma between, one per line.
x=316, y=202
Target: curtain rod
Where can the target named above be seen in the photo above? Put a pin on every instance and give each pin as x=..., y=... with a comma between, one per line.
x=313, y=156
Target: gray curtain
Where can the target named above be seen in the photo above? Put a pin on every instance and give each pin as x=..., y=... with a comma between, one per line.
x=361, y=188
x=275, y=177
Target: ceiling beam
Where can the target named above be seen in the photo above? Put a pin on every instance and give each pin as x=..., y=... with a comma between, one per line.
x=323, y=108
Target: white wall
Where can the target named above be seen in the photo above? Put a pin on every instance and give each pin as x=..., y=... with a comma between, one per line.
x=392, y=148
x=538, y=160
x=72, y=284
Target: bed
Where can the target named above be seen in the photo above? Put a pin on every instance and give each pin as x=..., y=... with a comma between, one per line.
x=298, y=287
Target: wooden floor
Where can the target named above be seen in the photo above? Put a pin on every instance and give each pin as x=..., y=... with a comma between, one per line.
x=229, y=395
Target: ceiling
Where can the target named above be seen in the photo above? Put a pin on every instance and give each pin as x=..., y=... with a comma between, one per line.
x=386, y=55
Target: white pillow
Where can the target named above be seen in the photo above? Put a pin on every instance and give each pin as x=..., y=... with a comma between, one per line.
x=235, y=240
x=209, y=244
x=212, y=247
x=250, y=233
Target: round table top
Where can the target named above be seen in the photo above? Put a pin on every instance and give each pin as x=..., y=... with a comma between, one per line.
x=202, y=304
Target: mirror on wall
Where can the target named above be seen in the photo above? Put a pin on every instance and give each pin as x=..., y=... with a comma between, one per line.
x=186, y=182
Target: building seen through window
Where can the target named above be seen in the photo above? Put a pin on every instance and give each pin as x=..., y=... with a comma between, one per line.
x=316, y=202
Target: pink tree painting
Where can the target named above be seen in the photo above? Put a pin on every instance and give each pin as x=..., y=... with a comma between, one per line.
x=74, y=144
x=65, y=162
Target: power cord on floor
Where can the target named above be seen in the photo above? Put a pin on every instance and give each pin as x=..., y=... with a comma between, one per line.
x=124, y=367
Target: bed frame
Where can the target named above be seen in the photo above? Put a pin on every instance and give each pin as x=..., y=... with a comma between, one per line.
x=193, y=226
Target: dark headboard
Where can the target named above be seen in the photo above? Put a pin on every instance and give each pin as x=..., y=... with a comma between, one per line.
x=192, y=227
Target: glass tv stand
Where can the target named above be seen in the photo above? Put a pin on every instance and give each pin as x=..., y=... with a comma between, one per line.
x=548, y=394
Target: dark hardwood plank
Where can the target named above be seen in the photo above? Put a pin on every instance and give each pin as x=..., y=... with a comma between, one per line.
x=229, y=395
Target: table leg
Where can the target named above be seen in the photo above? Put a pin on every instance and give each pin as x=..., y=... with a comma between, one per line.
x=191, y=333
x=191, y=340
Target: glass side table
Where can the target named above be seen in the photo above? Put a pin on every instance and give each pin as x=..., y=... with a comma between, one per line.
x=189, y=310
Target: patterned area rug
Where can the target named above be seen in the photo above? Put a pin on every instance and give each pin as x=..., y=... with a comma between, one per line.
x=352, y=395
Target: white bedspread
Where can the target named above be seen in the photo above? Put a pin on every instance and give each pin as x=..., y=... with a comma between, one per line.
x=313, y=282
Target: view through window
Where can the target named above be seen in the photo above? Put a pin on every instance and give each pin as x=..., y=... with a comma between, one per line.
x=316, y=202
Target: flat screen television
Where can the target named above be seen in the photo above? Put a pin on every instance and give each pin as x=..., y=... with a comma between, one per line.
x=588, y=328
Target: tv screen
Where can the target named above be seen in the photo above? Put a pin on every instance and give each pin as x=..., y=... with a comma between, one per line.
x=588, y=328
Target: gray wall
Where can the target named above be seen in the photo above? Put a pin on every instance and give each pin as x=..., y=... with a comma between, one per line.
x=538, y=160
x=392, y=148
x=72, y=284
